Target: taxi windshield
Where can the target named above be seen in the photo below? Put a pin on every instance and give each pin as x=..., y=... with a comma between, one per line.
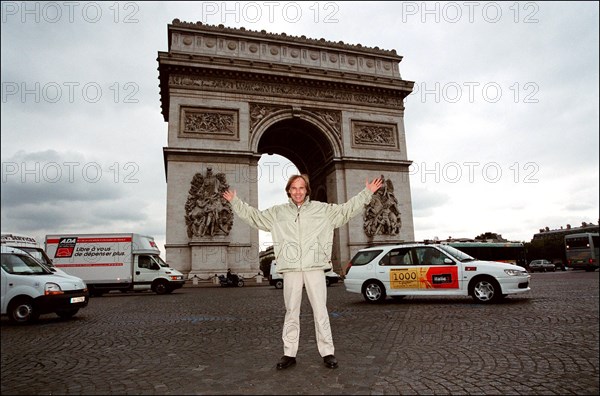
x=457, y=254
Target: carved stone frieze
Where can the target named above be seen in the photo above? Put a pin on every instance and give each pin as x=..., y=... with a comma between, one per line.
x=293, y=91
x=381, y=215
x=207, y=213
x=258, y=112
x=209, y=123
x=197, y=82
x=333, y=118
x=374, y=135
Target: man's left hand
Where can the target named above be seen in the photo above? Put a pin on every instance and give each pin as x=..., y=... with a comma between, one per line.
x=375, y=184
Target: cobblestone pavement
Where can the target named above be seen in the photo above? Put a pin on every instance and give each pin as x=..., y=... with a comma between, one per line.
x=212, y=340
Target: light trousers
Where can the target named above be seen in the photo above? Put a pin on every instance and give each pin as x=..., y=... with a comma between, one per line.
x=316, y=290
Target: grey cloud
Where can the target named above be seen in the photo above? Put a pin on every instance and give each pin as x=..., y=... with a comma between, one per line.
x=53, y=190
x=75, y=216
x=424, y=201
x=49, y=176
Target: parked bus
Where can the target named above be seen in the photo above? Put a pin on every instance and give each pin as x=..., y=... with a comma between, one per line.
x=582, y=251
x=505, y=252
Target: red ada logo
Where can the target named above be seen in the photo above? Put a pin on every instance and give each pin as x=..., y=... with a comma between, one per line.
x=66, y=247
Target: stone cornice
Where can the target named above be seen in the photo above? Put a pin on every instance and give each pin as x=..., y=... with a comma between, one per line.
x=283, y=37
x=233, y=64
x=334, y=90
x=216, y=153
x=186, y=154
x=208, y=58
x=349, y=161
x=219, y=41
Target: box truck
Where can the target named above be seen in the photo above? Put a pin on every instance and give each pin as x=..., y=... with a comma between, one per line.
x=30, y=289
x=125, y=262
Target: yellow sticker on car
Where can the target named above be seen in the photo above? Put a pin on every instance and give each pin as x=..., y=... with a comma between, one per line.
x=406, y=278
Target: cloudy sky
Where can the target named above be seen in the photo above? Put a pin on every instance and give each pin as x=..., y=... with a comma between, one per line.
x=502, y=127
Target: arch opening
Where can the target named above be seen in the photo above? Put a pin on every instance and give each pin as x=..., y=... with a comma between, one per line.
x=305, y=146
x=274, y=171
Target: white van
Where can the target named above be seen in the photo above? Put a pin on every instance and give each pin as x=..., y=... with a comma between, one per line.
x=276, y=279
x=29, y=289
x=30, y=245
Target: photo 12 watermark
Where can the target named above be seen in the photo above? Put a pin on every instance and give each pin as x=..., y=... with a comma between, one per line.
x=68, y=172
x=69, y=92
x=474, y=172
x=265, y=171
x=469, y=12
x=227, y=12
x=474, y=92
x=69, y=12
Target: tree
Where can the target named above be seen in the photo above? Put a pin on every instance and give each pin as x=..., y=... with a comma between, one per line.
x=490, y=236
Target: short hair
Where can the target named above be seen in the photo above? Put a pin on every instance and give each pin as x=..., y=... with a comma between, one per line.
x=293, y=179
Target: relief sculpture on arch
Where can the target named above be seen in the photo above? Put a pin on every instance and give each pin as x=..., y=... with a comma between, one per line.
x=207, y=213
x=381, y=216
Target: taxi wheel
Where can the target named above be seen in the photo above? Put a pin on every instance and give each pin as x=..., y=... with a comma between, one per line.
x=373, y=292
x=485, y=290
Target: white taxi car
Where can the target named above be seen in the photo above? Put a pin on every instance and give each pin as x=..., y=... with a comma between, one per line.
x=418, y=269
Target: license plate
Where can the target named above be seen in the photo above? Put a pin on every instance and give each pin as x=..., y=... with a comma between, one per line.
x=75, y=300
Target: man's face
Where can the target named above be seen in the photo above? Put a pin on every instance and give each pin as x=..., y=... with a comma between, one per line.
x=297, y=191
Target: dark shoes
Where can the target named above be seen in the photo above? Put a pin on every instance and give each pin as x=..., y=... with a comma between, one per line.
x=330, y=361
x=285, y=362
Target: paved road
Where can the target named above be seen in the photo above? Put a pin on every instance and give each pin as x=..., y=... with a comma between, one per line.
x=212, y=340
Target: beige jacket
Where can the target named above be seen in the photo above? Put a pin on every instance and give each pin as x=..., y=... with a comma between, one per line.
x=302, y=237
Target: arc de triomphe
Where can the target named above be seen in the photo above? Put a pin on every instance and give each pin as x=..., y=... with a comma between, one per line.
x=230, y=95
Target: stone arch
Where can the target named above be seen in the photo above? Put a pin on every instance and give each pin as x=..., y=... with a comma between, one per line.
x=305, y=140
x=330, y=134
x=230, y=95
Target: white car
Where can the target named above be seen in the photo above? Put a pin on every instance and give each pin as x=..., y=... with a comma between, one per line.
x=417, y=269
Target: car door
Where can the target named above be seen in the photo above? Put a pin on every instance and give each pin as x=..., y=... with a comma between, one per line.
x=436, y=273
x=397, y=272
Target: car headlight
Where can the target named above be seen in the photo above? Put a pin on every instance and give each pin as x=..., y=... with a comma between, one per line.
x=52, y=288
x=514, y=272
